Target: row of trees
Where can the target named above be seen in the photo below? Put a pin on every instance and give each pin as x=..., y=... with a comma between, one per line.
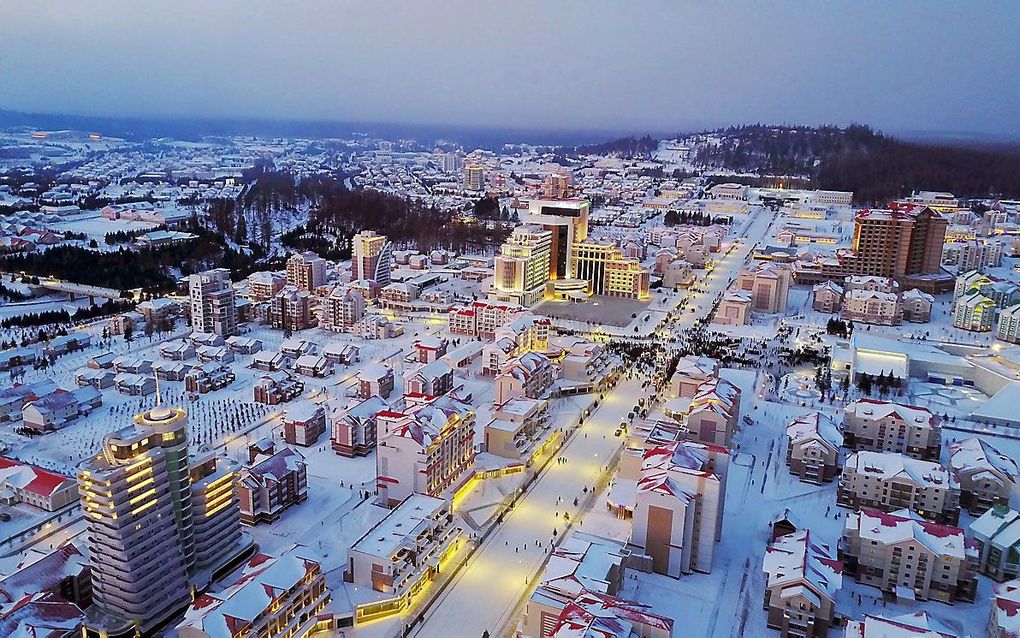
x=687, y=218
x=148, y=268
x=48, y=317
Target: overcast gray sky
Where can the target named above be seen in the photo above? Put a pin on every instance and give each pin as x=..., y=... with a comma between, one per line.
x=657, y=65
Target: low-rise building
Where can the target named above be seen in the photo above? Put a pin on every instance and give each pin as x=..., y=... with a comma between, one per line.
x=274, y=388
x=889, y=482
x=827, y=297
x=271, y=485
x=303, y=423
x=433, y=379
x=208, y=377
x=872, y=306
x=812, y=448
x=1004, y=620
x=274, y=597
x=917, y=306
x=908, y=557
x=32, y=485
x=768, y=285
x=802, y=578
x=529, y=375
x=918, y=624
x=996, y=535
x=353, y=428
x=408, y=548
x=734, y=309
x=974, y=312
x=375, y=380
x=514, y=426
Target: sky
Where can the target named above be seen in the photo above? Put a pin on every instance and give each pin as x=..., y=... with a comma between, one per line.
x=636, y=65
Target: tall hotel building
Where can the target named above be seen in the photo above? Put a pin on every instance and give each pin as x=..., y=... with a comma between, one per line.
x=371, y=257
x=896, y=244
x=567, y=223
x=156, y=525
x=212, y=302
x=522, y=267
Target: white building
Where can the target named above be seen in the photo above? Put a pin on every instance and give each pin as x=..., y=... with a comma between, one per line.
x=212, y=302
x=678, y=507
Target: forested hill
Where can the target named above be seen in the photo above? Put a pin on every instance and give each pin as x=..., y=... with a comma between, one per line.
x=875, y=166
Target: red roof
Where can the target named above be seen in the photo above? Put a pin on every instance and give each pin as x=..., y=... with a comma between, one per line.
x=44, y=483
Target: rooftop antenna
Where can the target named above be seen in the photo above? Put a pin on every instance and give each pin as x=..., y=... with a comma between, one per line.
x=159, y=395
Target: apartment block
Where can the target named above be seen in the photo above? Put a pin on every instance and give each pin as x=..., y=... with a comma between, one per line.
x=890, y=482
x=272, y=484
x=213, y=309
x=678, y=507
x=812, y=448
x=974, y=312
x=987, y=476
x=290, y=309
x=768, y=284
x=343, y=308
x=353, y=428
x=306, y=271
x=908, y=557
x=996, y=536
x=424, y=449
x=274, y=597
x=407, y=549
x=1004, y=620
x=885, y=426
x=482, y=318
x=802, y=579
x=527, y=376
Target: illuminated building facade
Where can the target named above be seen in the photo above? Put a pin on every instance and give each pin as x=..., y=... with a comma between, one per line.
x=371, y=257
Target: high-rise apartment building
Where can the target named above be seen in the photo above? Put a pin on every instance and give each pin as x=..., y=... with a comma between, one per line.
x=522, y=267
x=371, y=257
x=306, y=270
x=452, y=161
x=898, y=243
x=140, y=496
x=290, y=309
x=474, y=178
x=212, y=302
x=342, y=309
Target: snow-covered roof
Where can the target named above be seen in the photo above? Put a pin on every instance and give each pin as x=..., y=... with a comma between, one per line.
x=916, y=624
x=1006, y=609
x=872, y=410
x=276, y=466
x=890, y=529
x=811, y=426
x=401, y=527
x=264, y=580
x=889, y=465
x=31, y=478
x=798, y=559
x=592, y=615
x=974, y=454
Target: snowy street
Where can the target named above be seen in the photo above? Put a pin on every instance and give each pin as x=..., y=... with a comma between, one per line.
x=498, y=576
